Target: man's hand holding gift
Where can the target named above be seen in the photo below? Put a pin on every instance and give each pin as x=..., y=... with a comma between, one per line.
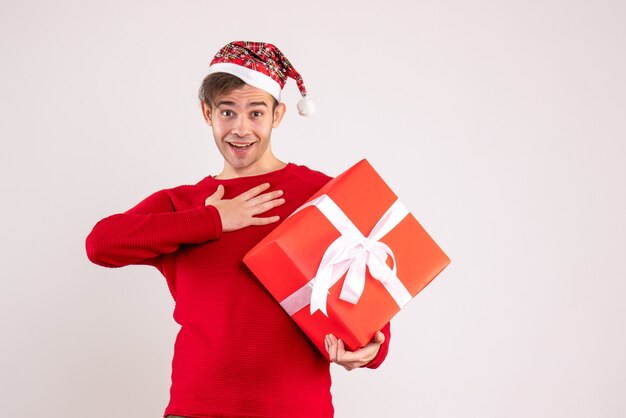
x=351, y=360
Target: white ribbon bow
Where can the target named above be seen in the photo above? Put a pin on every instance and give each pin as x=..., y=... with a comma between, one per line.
x=351, y=252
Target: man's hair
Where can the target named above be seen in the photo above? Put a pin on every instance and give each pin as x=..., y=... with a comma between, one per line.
x=218, y=84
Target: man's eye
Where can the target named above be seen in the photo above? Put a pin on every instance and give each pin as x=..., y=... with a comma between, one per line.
x=227, y=113
x=257, y=114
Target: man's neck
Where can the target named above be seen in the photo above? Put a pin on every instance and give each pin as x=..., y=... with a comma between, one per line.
x=230, y=172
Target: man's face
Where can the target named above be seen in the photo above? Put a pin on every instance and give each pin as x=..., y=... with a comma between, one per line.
x=242, y=123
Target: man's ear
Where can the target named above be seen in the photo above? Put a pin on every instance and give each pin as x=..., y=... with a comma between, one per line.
x=279, y=112
x=206, y=113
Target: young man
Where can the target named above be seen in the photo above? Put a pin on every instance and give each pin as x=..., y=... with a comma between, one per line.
x=237, y=354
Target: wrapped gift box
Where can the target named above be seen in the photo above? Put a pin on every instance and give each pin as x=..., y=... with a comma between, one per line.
x=347, y=260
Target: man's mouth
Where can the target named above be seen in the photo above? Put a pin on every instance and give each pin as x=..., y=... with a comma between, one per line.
x=240, y=146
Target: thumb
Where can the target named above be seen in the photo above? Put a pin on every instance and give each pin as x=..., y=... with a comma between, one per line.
x=217, y=195
x=379, y=337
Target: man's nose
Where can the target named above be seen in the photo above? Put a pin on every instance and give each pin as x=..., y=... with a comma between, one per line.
x=241, y=127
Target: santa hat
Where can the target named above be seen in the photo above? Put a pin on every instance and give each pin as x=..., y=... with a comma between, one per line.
x=263, y=66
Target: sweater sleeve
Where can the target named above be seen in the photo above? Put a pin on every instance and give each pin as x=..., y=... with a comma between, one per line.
x=143, y=234
x=384, y=349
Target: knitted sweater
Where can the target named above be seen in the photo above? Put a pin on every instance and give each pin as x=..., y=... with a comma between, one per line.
x=237, y=354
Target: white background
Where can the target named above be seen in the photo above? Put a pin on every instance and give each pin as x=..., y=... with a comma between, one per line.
x=500, y=124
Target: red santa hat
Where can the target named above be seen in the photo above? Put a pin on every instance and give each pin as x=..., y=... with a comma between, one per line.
x=263, y=66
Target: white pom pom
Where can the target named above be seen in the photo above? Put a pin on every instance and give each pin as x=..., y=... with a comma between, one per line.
x=305, y=107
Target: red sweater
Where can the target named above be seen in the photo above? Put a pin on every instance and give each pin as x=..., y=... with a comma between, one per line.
x=237, y=354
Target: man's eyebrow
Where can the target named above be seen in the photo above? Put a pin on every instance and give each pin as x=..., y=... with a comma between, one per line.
x=225, y=103
x=257, y=104
x=230, y=103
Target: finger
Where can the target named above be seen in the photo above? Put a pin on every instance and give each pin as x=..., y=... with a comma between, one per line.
x=217, y=195
x=329, y=348
x=264, y=221
x=265, y=197
x=255, y=191
x=264, y=207
x=333, y=347
x=346, y=356
x=379, y=338
x=341, y=350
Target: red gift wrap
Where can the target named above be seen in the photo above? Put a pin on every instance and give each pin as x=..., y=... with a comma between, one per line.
x=348, y=260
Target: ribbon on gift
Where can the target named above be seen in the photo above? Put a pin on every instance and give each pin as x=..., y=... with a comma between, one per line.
x=352, y=252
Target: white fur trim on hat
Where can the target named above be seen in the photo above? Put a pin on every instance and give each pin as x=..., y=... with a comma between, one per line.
x=249, y=76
